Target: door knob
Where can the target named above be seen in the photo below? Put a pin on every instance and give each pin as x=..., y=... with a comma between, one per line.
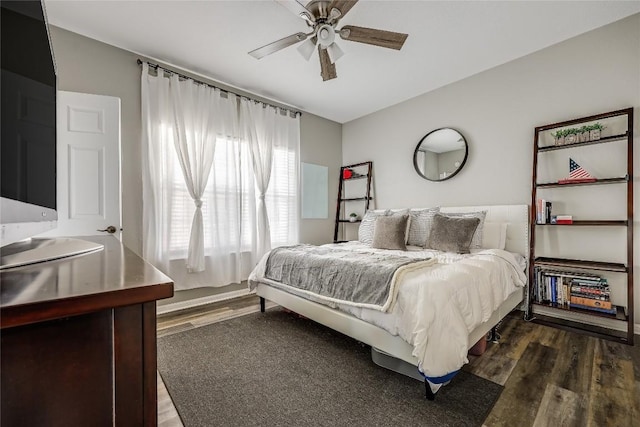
x=110, y=229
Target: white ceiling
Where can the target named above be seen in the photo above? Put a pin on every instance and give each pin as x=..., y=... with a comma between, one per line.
x=448, y=41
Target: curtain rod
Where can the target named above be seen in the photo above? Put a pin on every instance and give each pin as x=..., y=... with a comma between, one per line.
x=156, y=66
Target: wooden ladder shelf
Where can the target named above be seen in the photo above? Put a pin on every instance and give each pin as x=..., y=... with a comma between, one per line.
x=351, y=173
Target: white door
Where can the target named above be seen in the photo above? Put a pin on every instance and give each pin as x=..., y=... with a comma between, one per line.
x=88, y=168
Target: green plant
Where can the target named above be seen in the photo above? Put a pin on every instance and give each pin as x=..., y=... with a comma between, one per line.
x=596, y=126
x=561, y=133
x=353, y=215
x=584, y=129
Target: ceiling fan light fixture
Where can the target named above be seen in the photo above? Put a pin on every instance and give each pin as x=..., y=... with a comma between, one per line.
x=334, y=52
x=307, y=48
x=326, y=35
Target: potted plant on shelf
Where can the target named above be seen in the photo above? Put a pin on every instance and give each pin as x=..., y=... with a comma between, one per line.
x=560, y=136
x=353, y=217
x=595, y=131
x=583, y=134
x=572, y=136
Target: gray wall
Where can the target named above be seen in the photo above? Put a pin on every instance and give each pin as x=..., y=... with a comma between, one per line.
x=497, y=111
x=321, y=145
x=89, y=66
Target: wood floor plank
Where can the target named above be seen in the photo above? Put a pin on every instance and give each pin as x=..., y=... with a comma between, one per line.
x=611, y=397
x=516, y=337
x=560, y=407
x=229, y=304
x=167, y=413
x=574, y=365
x=493, y=367
x=168, y=323
x=524, y=388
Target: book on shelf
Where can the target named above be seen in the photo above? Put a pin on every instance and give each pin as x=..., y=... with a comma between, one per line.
x=611, y=310
x=564, y=219
x=599, y=297
x=543, y=211
x=572, y=274
x=594, y=293
x=600, y=282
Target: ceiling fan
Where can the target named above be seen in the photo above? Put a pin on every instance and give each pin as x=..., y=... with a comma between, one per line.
x=322, y=16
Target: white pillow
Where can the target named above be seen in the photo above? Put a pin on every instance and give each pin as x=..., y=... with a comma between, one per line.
x=367, y=226
x=420, y=225
x=494, y=235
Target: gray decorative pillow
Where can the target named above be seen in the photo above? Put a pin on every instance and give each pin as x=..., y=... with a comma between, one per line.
x=365, y=232
x=420, y=226
x=476, y=243
x=452, y=234
x=390, y=232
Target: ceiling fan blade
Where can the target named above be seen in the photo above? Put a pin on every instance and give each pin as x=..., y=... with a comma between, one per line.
x=327, y=69
x=372, y=36
x=277, y=45
x=297, y=9
x=344, y=6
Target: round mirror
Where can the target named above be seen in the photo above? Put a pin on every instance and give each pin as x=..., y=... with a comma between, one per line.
x=440, y=154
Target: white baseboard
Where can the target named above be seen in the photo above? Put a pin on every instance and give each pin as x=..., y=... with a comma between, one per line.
x=183, y=305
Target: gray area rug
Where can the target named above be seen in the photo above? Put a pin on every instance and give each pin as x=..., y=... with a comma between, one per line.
x=277, y=369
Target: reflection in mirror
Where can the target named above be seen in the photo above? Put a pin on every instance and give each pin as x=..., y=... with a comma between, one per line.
x=440, y=154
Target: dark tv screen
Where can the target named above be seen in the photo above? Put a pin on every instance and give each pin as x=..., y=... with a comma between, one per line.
x=28, y=144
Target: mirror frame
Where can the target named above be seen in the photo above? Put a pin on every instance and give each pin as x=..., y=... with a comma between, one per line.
x=454, y=173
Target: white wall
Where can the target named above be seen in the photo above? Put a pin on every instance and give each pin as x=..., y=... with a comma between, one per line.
x=89, y=66
x=497, y=111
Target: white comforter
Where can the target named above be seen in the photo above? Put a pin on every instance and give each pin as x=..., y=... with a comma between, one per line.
x=438, y=306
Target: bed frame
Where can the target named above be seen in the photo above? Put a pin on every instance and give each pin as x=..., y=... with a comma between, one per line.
x=391, y=351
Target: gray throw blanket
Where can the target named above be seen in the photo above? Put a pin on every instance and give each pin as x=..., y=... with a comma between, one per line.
x=344, y=276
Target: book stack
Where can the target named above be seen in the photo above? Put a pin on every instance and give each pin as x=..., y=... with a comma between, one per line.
x=543, y=211
x=591, y=294
x=566, y=289
x=553, y=287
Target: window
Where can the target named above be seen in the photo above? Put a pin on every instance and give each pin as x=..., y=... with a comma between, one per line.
x=229, y=202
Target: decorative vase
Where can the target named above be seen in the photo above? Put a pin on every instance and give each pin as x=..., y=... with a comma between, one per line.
x=594, y=135
x=353, y=218
x=560, y=141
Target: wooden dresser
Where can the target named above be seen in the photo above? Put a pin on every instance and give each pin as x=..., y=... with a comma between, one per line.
x=78, y=340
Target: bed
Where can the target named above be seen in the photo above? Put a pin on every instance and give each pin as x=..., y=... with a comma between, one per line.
x=400, y=338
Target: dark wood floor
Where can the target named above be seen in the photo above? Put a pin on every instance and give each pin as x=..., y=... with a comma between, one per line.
x=551, y=377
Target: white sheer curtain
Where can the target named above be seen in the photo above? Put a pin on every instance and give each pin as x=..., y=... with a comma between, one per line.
x=259, y=126
x=174, y=179
x=196, y=109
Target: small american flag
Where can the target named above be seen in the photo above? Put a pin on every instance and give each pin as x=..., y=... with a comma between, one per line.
x=576, y=171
